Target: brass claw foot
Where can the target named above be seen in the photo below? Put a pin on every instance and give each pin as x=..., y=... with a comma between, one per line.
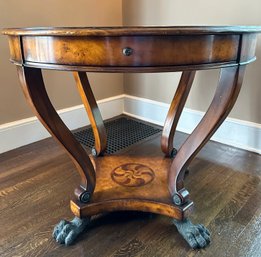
x=65, y=232
x=197, y=235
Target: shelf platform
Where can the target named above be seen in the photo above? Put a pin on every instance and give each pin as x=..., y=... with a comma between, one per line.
x=134, y=183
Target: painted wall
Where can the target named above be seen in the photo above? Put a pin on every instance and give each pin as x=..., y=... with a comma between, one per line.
x=60, y=85
x=201, y=12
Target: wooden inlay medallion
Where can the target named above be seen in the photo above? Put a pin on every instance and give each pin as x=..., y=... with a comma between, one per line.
x=132, y=175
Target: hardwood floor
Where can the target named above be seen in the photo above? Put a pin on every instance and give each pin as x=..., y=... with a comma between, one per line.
x=37, y=181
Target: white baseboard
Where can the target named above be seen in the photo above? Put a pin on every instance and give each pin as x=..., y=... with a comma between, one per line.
x=238, y=133
x=26, y=131
x=242, y=134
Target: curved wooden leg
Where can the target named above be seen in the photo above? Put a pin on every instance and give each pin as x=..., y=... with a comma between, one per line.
x=34, y=89
x=226, y=94
x=175, y=111
x=93, y=112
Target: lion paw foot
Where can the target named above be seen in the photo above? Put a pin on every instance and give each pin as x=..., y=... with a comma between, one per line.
x=65, y=232
x=197, y=235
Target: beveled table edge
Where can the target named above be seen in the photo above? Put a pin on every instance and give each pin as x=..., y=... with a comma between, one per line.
x=129, y=30
x=131, y=69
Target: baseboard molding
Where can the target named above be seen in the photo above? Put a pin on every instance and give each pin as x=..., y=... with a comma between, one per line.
x=238, y=133
x=242, y=134
x=26, y=131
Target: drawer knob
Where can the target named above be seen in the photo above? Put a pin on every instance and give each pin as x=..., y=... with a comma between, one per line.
x=127, y=51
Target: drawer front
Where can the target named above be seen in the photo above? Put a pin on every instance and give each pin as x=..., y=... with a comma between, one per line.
x=131, y=51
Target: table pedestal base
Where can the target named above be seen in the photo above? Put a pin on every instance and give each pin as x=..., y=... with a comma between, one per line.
x=136, y=182
x=131, y=183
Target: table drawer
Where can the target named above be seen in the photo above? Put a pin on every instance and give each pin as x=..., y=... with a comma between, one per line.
x=130, y=51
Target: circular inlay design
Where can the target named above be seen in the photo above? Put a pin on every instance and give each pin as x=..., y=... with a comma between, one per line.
x=132, y=175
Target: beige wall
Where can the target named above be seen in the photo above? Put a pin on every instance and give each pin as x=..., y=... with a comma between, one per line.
x=201, y=12
x=60, y=85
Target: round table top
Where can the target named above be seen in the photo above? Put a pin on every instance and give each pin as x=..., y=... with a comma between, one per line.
x=130, y=30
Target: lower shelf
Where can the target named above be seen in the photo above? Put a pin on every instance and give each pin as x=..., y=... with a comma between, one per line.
x=130, y=182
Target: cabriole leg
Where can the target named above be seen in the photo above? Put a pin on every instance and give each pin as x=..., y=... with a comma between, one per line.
x=226, y=94
x=34, y=89
x=175, y=111
x=93, y=112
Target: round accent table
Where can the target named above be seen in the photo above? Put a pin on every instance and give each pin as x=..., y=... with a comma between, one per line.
x=122, y=182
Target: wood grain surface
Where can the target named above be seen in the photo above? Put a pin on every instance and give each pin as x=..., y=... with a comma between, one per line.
x=146, y=50
x=150, y=49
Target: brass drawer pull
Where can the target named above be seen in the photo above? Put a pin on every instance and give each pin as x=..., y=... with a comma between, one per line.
x=127, y=51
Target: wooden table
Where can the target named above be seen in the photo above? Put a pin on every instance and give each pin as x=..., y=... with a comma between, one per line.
x=114, y=182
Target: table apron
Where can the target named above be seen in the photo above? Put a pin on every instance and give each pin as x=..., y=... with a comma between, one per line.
x=131, y=51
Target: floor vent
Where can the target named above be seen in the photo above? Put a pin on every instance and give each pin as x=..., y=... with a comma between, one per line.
x=122, y=132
